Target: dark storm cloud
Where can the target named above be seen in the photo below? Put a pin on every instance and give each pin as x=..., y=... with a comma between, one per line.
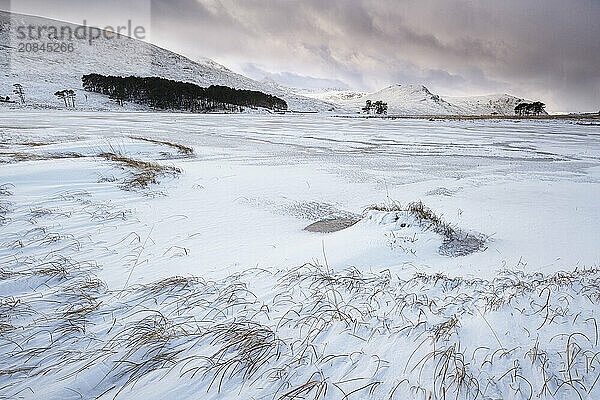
x=292, y=80
x=536, y=48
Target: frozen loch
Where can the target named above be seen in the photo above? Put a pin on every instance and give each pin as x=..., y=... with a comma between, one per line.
x=156, y=255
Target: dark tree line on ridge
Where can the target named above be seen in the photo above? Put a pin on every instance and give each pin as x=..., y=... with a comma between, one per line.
x=167, y=94
x=535, y=108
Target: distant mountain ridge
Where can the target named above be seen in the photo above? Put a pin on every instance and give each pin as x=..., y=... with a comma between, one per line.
x=418, y=100
x=42, y=74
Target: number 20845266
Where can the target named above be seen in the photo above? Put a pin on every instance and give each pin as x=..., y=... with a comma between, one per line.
x=43, y=47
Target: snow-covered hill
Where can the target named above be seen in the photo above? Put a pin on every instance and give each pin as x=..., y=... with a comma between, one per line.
x=336, y=96
x=495, y=104
x=418, y=100
x=42, y=73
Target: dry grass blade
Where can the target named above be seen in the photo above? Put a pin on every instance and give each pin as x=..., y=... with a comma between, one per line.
x=183, y=150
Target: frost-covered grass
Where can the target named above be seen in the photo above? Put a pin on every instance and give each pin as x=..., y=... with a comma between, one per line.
x=285, y=333
x=143, y=173
x=5, y=206
x=456, y=241
x=298, y=332
x=183, y=150
x=14, y=157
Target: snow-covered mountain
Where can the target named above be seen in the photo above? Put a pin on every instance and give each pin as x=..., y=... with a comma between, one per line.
x=495, y=104
x=418, y=100
x=409, y=99
x=42, y=73
x=336, y=96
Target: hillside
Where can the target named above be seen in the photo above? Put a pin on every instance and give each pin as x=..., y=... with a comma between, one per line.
x=500, y=104
x=336, y=96
x=43, y=73
x=418, y=100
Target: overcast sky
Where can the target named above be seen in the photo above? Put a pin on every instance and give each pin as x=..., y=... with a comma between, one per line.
x=542, y=49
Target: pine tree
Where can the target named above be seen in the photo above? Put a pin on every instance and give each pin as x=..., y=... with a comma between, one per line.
x=61, y=94
x=368, y=106
x=19, y=92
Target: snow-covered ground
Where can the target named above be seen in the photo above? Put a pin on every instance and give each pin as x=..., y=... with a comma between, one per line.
x=204, y=284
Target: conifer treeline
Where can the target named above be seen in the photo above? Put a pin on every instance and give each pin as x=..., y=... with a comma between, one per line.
x=535, y=108
x=167, y=94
